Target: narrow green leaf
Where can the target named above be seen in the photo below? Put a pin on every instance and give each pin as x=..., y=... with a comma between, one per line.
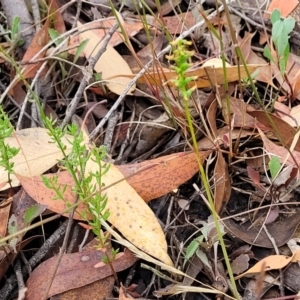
x=275, y=16
x=15, y=26
x=192, y=248
x=33, y=211
x=267, y=53
x=80, y=49
x=274, y=166
x=55, y=34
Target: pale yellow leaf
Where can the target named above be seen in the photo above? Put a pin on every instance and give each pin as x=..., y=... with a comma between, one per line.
x=272, y=262
x=37, y=154
x=131, y=215
x=110, y=65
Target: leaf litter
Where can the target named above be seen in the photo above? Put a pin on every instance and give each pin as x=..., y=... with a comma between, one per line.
x=237, y=143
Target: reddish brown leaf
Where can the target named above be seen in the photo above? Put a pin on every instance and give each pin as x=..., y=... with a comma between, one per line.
x=222, y=183
x=283, y=131
x=254, y=176
x=151, y=179
x=296, y=86
x=101, y=289
x=4, y=215
x=241, y=117
x=36, y=188
x=206, y=143
x=39, y=41
x=285, y=7
x=157, y=177
x=55, y=15
x=211, y=117
x=75, y=270
x=280, y=151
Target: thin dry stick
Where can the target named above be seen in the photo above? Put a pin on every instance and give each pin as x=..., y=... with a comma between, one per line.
x=37, y=22
x=125, y=143
x=36, y=15
x=112, y=122
x=147, y=66
x=92, y=61
x=20, y=279
x=18, y=106
x=79, y=6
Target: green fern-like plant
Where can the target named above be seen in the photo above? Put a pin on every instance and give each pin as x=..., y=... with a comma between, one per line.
x=87, y=186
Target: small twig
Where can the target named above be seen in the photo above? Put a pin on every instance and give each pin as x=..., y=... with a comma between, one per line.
x=36, y=15
x=79, y=6
x=26, y=263
x=37, y=24
x=20, y=279
x=86, y=235
x=91, y=64
x=112, y=122
x=247, y=19
x=3, y=87
x=34, y=109
x=127, y=139
x=73, y=240
x=118, y=130
x=169, y=214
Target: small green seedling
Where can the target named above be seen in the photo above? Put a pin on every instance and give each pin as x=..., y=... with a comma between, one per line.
x=15, y=32
x=280, y=36
x=274, y=166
